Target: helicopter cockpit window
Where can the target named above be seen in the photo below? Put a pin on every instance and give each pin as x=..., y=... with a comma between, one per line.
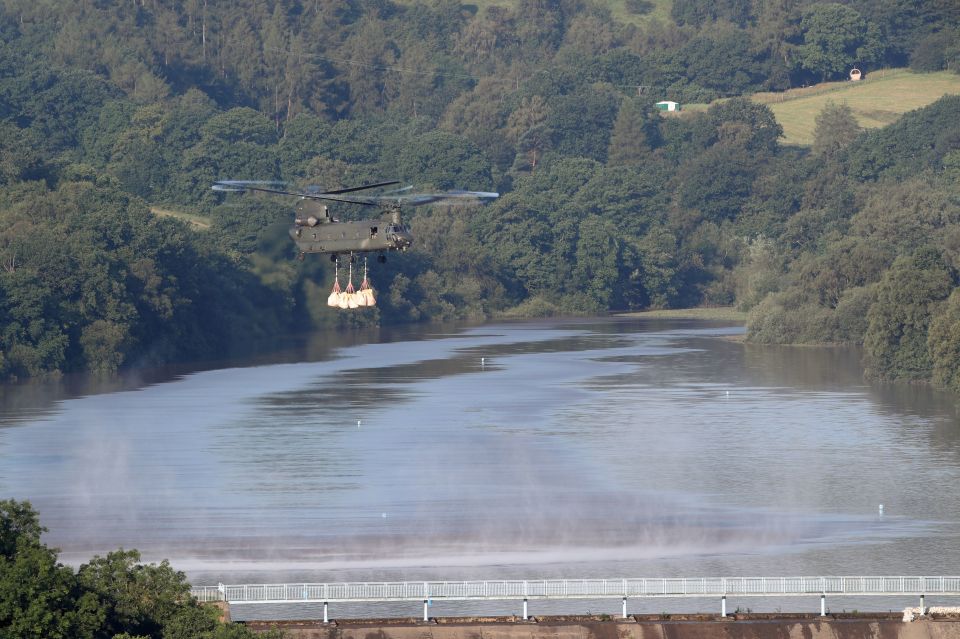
x=373, y=231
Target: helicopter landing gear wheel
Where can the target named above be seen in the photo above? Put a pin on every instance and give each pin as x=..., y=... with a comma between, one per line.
x=382, y=258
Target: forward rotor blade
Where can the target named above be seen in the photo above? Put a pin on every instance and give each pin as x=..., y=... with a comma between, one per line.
x=361, y=188
x=240, y=186
x=399, y=196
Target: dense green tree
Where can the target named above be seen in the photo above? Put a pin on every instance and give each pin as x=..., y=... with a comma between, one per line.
x=932, y=53
x=370, y=53
x=836, y=128
x=630, y=140
x=747, y=124
x=777, y=25
x=139, y=599
x=759, y=272
x=943, y=341
x=303, y=139
x=845, y=264
x=717, y=183
x=699, y=12
x=896, y=339
x=580, y=123
x=908, y=214
x=480, y=116
x=137, y=157
x=237, y=144
x=660, y=269
x=836, y=38
x=110, y=597
x=439, y=159
x=721, y=61
x=905, y=22
x=630, y=197
x=33, y=342
x=917, y=141
x=598, y=256
x=19, y=523
x=38, y=596
x=588, y=35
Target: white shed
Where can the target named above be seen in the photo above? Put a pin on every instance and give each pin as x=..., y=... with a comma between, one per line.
x=667, y=105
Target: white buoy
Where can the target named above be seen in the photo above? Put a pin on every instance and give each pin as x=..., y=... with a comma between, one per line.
x=358, y=423
x=384, y=515
x=880, y=510
x=728, y=394
x=483, y=362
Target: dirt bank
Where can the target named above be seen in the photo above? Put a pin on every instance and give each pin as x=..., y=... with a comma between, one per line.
x=751, y=626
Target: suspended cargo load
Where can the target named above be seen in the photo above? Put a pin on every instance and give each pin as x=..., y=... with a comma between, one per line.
x=334, y=298
x=366, y=293
x=351, y=296
x=361, y=298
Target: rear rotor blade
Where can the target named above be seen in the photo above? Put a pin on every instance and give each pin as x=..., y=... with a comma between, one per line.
x=451, y=197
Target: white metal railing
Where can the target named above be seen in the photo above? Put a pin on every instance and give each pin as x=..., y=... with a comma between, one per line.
x=576, y=589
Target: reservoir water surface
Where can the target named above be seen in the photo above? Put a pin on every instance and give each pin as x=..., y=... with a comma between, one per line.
x=616, y=447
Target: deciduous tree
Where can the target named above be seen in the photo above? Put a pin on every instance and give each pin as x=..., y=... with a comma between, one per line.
x=836, y=128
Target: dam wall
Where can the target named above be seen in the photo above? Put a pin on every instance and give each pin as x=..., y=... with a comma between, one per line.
x=748, y=626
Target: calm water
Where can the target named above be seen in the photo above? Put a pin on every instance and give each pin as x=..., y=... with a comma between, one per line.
x=615, y=447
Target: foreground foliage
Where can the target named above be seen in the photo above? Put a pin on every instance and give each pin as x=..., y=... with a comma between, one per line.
x=111, y=597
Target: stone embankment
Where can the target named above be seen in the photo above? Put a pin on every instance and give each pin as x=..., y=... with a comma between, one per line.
x=740, y=626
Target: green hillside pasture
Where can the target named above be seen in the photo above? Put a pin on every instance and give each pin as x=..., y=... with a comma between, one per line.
x=195, y=221
x=881, y=98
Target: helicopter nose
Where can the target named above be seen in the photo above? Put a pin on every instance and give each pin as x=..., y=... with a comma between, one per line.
x=404, y=239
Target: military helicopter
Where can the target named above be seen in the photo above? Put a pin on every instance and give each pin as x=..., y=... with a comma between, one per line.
x=315, y=230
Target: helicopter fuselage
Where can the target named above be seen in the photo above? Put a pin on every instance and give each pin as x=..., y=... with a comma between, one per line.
x=314, y=230
x=322, y=234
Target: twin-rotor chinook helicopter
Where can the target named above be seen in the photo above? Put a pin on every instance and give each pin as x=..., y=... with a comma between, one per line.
x=315, y=230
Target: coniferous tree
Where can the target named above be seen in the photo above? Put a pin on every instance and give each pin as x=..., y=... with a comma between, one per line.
x=629, y=143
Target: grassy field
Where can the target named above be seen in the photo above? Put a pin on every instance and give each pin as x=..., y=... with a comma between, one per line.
x=720, y=313
x=881, y=98
x=196, y=221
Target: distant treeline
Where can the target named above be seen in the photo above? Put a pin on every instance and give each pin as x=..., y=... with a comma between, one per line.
x=109, y=108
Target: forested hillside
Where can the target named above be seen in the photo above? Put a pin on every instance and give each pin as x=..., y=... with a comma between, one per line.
x=109, y=108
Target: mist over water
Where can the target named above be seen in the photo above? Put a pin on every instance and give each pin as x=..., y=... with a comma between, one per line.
x=603, y=448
